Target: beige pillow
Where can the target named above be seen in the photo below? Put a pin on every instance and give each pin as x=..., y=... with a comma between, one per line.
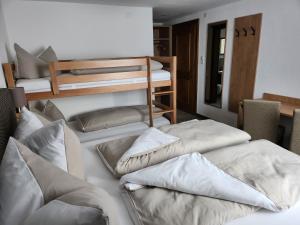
x=52, y=112
x=33, y=191
x=111, y=117
x=32, y=67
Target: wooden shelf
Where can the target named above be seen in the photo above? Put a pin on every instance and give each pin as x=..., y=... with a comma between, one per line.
x=162, y=39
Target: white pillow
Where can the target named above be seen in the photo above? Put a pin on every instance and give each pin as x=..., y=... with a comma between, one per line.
x=59, y=145
x=28, y=124
x=49, y=143
x=149, y=141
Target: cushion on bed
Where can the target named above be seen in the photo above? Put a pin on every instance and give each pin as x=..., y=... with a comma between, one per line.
x=154, y=66
x=32, y=67
x=111, y=117
x=28, y=123
x=58, y=144
x=32, y=191
x=51, y=111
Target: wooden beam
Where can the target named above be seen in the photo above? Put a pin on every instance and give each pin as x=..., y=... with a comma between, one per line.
x=53, y=74
x=9, y=75
x=173, y=68
x=149, y=91
x=100, y=77
x=93, y=64
x=93, y=91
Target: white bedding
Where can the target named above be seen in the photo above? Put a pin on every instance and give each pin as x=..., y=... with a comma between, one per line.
x=122, y=131
x=44, y=85
x=99, y=175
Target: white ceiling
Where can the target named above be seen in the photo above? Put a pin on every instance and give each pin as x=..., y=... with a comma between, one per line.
x=163, y=10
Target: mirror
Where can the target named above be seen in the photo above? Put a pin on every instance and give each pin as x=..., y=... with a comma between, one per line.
x=216, y=45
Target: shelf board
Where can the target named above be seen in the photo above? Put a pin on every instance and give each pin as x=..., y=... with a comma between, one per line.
x=162, y=39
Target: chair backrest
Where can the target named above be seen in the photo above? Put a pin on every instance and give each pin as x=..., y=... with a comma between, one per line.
x=295, y=139
x=261, y=119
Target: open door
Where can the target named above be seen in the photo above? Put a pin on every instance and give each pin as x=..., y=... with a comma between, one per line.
x=185, y=47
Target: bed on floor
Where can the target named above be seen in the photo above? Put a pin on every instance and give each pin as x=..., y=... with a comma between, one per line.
x=260, y=170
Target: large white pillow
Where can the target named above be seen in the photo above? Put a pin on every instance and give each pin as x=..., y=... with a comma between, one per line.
x=58, y=144
x=28, y=124
x=49, y=142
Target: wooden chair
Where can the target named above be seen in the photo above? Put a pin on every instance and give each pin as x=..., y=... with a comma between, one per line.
x=295, y=139
x=261, y=119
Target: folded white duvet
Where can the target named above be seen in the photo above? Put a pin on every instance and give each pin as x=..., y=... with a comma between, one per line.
x=189, y=173
x=193, y=174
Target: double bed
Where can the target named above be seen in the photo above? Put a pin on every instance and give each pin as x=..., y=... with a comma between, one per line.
x=221, y=142
x=98, y=174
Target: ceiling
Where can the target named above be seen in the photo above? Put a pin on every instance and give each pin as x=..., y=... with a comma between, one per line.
x=163, y=10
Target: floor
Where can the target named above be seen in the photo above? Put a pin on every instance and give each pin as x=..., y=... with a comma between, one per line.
x=184, y=116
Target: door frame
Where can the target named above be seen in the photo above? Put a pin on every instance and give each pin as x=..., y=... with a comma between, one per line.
x=197, y=22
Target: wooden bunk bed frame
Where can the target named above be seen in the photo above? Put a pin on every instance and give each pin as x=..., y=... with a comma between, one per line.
x=150, y=85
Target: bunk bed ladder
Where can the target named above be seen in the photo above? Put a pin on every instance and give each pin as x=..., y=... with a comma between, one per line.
x=164, y=109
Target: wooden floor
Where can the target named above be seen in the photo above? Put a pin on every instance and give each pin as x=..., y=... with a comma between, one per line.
x=184, y=116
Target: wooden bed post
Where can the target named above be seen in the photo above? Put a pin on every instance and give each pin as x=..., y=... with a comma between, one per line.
x=149, y=91
x=173, y=70
x=54, y=83
x=9, y=75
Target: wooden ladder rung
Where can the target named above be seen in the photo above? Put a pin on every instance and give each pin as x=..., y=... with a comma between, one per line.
x=161, y=112
x=160, y=93
x=160, y=105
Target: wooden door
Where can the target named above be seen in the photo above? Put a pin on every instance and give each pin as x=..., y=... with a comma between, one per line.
x=185, y=47
x=244, y=59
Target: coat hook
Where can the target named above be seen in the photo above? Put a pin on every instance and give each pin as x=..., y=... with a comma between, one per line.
x=245, y=32
x=237, y=33
x=253, y=30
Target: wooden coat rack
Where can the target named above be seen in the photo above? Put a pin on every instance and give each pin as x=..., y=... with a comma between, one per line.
x=244, y=59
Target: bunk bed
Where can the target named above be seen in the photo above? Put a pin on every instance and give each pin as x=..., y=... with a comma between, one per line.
x=68, y=85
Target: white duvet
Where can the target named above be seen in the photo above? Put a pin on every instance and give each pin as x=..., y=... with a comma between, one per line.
x=192, y=174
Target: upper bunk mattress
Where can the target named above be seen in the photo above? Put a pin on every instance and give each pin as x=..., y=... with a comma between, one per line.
x=44, y=84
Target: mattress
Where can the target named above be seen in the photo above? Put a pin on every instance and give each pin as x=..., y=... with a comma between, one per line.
x=121, y=131
x=44, y=84
x=97, y=174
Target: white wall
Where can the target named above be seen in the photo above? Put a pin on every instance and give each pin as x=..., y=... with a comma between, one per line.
x=278, y=63
x=82, y=31
x=3, y=45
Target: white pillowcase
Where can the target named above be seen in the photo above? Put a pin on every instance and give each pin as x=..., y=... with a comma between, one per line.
x=28, y=124
x=49, y=143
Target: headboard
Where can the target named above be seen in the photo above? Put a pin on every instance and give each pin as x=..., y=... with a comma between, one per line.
x=8, y=121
